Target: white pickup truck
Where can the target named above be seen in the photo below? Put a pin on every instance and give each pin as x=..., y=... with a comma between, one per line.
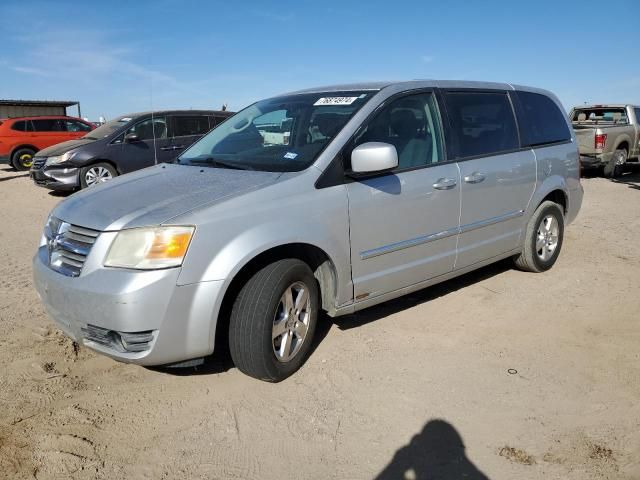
x=608, y=136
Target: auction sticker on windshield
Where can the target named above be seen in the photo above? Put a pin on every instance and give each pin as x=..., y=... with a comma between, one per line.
x=335, y=101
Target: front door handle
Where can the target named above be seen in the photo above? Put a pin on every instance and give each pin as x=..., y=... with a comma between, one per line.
x=166, y=149
x=444, y=184
x=178, y=147
x=475, y=177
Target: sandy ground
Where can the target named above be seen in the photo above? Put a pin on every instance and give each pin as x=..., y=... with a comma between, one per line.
x=417, y=388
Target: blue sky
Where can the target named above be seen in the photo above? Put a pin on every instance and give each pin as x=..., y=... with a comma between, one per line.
x=119, y=57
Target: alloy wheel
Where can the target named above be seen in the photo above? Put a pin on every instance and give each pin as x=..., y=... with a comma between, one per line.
x=96, y=175
x=547, y=237
x=291, y=321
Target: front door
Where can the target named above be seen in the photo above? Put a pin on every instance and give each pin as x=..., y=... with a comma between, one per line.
x=403, y=225
x=152, y=146
x=497, y=178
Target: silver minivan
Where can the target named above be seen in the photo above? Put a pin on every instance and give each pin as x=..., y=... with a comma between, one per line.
x=327, y=200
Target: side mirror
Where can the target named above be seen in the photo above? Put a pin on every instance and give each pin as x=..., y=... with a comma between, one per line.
x=131, y=137
x=373, y=157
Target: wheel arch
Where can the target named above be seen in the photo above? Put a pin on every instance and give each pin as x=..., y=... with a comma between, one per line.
x=26, y=145
x=102, y=160
x=553, y=188
x=623, y=145
x=557, y=196
x=319, y=261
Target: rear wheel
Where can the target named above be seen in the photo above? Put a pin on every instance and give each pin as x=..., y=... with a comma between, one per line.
x=615, y=167
x=273, y=320
x=22, y=159
x=543, y=239
x=96, y=173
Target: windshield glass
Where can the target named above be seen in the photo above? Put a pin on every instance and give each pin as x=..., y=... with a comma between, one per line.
x=283, y=134
x=600, y=115
x=108, y=128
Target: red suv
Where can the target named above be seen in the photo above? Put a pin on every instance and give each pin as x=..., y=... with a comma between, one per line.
x=21, y=138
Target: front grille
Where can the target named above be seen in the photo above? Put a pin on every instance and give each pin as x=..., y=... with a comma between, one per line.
x=68, y=246
x=38, y=163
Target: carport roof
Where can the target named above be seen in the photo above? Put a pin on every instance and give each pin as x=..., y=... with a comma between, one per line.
x=39, y=103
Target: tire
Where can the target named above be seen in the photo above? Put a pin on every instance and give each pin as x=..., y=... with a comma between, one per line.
x=537, y=255
x=615, y=167
x=96, y=173
x=259, y=314
x=22, y=159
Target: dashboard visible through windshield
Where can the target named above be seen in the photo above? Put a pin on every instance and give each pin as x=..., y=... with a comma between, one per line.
x=281, y=134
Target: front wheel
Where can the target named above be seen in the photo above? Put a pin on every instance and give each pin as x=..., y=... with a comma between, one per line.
x=23, y=159
x=273, y=320
x=96, y=173
x=542, y=239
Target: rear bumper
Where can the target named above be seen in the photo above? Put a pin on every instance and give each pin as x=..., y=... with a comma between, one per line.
x=105, y=307
x=56, y=178
x=595, y=160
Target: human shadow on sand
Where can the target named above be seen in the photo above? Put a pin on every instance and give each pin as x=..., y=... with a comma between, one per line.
x=436, y=453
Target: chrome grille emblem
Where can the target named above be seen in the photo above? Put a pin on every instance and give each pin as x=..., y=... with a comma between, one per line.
x=68, y=246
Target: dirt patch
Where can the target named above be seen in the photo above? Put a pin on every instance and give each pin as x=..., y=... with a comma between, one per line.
x=516, y=455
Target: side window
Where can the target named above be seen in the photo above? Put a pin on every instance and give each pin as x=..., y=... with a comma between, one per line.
x=43, y=125
x=49, y=125
x=20, y=126
x=482, y=122
x=146, y=129
x=193, y=125
x=76, y=126
x=543, y=121
x=412, y=125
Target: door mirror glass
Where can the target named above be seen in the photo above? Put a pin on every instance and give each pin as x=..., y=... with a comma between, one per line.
x=374, y=157
x=131, y=137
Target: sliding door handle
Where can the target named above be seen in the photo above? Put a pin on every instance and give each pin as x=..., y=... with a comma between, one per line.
x=475, y=177
x=445, y=184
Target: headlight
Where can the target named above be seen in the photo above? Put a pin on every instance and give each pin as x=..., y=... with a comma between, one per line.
x=60, y=158
x=149, y=248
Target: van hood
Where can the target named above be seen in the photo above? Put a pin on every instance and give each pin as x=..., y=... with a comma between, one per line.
x=63, y=147
x=157, y=194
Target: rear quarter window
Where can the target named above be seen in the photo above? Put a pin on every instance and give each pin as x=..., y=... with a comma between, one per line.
x=19, y=126
x=542, y=122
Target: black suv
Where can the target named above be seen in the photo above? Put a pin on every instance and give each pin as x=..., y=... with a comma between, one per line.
x=128, y=143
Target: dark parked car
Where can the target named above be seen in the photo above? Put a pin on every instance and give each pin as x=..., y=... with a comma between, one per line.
x=123, y=145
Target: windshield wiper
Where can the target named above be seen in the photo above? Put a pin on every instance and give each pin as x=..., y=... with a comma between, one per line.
x=216, y=162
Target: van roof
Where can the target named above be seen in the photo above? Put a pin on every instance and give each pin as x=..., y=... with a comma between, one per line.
x=409, y=84
x=178, y=112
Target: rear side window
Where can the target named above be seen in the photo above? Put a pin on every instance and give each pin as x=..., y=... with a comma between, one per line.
x=543, y=122
x=482, y=123
x=49, y=125
x=184, y=126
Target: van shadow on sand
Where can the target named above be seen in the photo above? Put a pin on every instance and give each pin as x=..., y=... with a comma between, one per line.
x=436, y=453
x=221, y=362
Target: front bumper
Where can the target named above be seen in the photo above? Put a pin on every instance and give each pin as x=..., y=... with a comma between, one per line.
x=180, y=320
x=56, y=178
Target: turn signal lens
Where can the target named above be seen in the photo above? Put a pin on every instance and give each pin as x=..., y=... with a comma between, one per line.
x=149, y=248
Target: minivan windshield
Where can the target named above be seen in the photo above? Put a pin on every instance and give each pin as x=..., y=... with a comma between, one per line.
x=282, y=134
x=108, y=128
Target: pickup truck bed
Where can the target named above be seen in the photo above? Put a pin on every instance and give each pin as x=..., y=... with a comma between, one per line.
x=607, y=135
